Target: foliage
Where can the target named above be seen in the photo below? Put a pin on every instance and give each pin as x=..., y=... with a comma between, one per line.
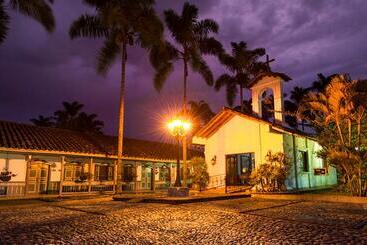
x=243, y=66
x=6, y=175
x=339, y=115
x=38, y=10
x=122, y=24
x=271, y=176
x=199, y=173
x=201, y=114
x=71, y=117
x=192, y=40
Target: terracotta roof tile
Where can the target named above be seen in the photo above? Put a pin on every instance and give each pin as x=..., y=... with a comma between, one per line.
x=24, y=136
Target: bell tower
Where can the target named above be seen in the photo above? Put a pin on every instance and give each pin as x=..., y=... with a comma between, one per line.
x=274, y=82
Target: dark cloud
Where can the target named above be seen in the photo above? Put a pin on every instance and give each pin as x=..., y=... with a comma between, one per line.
x=39, y=70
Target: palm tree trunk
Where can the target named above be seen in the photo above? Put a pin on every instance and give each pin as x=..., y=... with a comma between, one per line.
x=184, y=140
x=241, y=96
x=121, y=118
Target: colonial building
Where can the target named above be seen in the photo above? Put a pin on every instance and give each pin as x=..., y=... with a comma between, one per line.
x=236, y=142
x=57, y=161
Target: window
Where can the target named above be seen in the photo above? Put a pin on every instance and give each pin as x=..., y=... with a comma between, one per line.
x=304, y=160
x=128, y=173
x=72, y=172
x=103, y=172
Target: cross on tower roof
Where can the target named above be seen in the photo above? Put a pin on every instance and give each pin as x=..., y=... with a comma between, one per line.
x=268, y=61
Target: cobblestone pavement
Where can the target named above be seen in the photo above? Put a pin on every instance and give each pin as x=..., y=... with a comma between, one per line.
x=242, y=221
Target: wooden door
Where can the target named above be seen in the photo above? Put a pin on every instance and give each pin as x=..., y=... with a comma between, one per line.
x=38, y=178
x=231, y=170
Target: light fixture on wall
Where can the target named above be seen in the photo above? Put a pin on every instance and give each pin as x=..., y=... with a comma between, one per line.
x=214, y=160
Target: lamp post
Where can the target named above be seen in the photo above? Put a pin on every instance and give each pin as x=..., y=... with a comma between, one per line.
x=178, y=129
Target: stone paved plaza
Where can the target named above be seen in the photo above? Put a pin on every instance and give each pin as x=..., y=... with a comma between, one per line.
x=241, y=221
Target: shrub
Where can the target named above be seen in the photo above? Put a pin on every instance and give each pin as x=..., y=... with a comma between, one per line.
x=199, y=173
x=271, y=176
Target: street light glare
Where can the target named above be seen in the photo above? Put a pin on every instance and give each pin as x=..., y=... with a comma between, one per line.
x=179, y=126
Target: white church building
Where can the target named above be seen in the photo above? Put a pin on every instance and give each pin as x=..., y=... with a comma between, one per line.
x=236, y=143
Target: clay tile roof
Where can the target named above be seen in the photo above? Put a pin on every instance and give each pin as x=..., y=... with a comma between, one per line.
x=283, y=76
x=29, y=137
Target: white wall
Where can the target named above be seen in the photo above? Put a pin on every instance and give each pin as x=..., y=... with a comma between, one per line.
x=239, y=135
x=16, y=164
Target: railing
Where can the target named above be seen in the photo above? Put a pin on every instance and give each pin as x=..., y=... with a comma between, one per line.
x=101, y=188
x=216, y=181
x=75, y=188
x=12, y=188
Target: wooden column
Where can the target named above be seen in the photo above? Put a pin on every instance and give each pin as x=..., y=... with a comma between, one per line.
x=28, y=166
x=62, y=158
x=152, y=182
x=115, y=177
x=90, y=174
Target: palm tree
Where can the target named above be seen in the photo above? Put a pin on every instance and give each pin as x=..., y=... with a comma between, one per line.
x=201, y=111
x=38, y=10
x=88, y=123
x=65, y=118
x=42, y=121
x=193, y=40
x=121, y=24
x=243, y=65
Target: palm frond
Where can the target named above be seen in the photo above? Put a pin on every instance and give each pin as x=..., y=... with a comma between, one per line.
x=4, y=21
x=161, y=75
x=189, y=13
x=108, y=54
x=222, y=80
x=199, y=65
x=231, y=91
x=88, y=26
x=211, y=46
x=39, y=10
x=206, y=26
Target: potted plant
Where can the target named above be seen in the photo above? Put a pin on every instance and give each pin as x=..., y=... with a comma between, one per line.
x=6, y=175
x=83, y=177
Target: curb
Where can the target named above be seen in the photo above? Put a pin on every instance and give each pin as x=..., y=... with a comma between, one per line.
x=177, y=201
x=314, y=197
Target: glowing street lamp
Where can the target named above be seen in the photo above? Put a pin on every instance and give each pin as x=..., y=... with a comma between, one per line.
x=178, y=128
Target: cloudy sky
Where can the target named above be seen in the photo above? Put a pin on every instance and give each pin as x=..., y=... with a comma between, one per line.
x=39, y=70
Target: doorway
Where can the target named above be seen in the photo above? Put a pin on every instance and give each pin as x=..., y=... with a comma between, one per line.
x=38, y=178
x=239, y=168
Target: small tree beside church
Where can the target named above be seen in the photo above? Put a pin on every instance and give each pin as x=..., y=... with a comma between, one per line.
x=271, y=176
x=199, y=173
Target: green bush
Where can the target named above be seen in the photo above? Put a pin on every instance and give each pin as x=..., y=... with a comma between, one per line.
x=271, y=176
x=199, y=173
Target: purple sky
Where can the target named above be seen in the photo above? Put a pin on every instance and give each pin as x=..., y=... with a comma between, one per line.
x=39, y=70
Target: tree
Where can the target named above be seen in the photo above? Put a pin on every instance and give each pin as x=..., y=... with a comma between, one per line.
x=243, y=66
x=339, y=115
x=192, y=40
x=71, y=117
x=121, y=24
x=42, y=121
x=271, y=175
x=199, y=173
x=38, y=10
x=201, y=112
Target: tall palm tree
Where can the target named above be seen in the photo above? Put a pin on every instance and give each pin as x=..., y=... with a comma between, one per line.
x=38, y=10
x=121, y=23
x=243, y=65
x=192, y=40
